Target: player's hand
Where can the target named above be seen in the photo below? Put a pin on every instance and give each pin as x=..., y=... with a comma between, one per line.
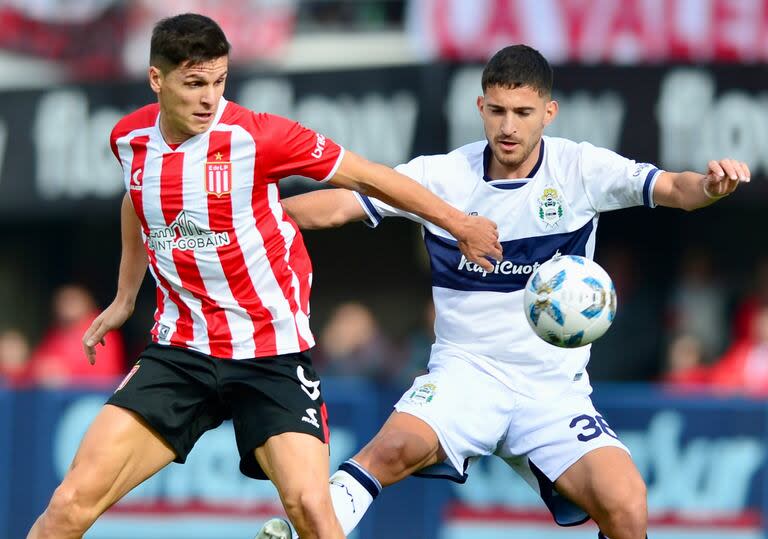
x=724, y=176
x=478, y=240
x=111, y=318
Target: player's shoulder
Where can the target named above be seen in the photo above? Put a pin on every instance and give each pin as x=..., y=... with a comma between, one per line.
x=564, y=147
x=255, y=122
x=469, y=152
x=141, y=118
x=464, y=156
x=567, y=148
x=565, y=154
x=447, y=169
x=236, y=114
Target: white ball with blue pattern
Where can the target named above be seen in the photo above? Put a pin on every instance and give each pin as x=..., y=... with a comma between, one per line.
x=570, y=301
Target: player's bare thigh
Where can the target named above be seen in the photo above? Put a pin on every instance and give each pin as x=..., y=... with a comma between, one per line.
x=601, y=478
x=118, y=452
x=404, y=445
x=279, y=455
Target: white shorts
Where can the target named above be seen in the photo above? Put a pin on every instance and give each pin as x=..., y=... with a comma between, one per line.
x=474, y=414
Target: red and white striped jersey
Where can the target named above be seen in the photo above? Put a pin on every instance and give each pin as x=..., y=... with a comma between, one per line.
x=233, y=276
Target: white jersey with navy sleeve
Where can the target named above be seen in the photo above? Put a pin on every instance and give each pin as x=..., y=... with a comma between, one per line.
x=479, y=314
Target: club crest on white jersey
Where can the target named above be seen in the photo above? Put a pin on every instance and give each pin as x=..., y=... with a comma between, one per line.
x=550, y=207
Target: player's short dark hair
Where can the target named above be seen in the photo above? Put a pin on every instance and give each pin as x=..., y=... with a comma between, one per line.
x=187, y=38
x=516, y=66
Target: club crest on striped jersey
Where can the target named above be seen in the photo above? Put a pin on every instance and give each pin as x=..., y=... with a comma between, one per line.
x=218, y=176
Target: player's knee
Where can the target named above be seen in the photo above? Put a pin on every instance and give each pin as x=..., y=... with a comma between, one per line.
x=632, y=517
x=626, y=511
x=291, y=499
x=389, y=456
x=316, y=503
x=69, y=510
x=308, y=504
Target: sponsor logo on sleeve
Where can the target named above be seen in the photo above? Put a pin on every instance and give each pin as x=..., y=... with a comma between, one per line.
x=641, y=168
x=137, y=178
x=319, y=146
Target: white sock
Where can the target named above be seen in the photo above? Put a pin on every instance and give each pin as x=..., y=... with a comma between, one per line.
x=353, y=490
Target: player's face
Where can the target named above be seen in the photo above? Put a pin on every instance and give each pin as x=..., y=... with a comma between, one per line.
x=514, y=119
x=189, y=96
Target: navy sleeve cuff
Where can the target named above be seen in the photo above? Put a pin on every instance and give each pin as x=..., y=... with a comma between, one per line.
x=374, y=217
x=650, y=180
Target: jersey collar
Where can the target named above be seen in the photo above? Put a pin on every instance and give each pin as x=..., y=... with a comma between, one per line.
x=510, y=184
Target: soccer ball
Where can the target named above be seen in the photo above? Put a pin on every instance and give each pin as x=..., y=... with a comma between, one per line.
x=570, y=301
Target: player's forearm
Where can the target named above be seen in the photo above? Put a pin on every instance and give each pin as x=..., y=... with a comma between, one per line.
x=133, y=267
x=327, y=208
x=133, y=260
x=397, y=190
x=687, y=192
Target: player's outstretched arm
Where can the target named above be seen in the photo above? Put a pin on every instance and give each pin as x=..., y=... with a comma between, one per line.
x=326, y=208
x=133, y=267
x=691, y=190
x=477, y=236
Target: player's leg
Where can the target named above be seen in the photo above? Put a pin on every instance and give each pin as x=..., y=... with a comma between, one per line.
x=434, y=424
x=282, y=434
x=567, y=452
x=298, y=466
x=118, y=452
x=606, y=483
x=404, y=445
x=156, y=415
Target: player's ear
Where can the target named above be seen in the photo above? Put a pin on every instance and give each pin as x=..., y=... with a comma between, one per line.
x=550, y=111
x=480, y=103
x=155, y=78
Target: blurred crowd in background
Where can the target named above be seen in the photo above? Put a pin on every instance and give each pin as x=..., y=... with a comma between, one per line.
x=714, y=337
x=707, y=327
x=103, y=39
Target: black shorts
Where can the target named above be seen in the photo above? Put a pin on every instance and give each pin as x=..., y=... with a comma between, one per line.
x=182, y=393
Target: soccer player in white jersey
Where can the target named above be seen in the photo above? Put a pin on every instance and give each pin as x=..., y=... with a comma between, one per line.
x=231, y=329
x=530, y=401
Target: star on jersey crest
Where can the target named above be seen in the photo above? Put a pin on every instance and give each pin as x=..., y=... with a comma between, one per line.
x=218, y=176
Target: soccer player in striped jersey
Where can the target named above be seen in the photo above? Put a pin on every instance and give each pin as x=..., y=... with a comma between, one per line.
x=231, y=333
x=530, y=401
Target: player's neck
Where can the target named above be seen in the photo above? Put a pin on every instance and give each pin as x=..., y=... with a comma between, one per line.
x=171, y=136
x=499, y=171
